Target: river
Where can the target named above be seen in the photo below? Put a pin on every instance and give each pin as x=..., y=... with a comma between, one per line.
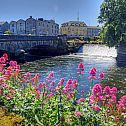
x=99, y=56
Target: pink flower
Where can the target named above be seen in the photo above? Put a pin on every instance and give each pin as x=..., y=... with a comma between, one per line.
x=97, y=90
x=81, y=72
x=57, y=88
x=12, y=91
x=74, y=81
x=80, y=100
x=13, y=63
x=51, y=74
x=40, y=85
x=93, y=71
x=70, y=95
x=53, y=90
x=38, y=93
x=2, y=60
x=82, y=91
x=92, y=78
x=92, y=99
x=96, y=108
x=28, y=74
x=122, y=102
x=101, y=76
x=114, y=91
x=107, y=90
x=61, y=82
x=48, y=87
x=74, y=86
x=37, y=75
x=81, y=66
x=50, y=95
x=5, y=56
x=1, y=67
x=69, y=83
x=78, y=114
x=53, y=83
x=112, y=100
x=78, y=72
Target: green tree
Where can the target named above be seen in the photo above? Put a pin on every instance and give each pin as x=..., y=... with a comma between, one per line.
x=113, y=16
x=8, y=32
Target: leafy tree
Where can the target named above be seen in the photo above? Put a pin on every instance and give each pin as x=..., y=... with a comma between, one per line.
x=8, y=32
x=113, y=16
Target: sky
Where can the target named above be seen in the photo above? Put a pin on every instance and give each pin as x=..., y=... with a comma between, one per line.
x=60, y=10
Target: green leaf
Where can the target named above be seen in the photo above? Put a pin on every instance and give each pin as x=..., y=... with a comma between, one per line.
x=36, y=118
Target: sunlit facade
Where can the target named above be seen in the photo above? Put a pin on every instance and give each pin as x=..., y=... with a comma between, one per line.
x=77, y=29
x=74, y=28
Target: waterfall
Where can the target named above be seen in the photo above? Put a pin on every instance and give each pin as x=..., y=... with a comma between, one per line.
x=97, y=50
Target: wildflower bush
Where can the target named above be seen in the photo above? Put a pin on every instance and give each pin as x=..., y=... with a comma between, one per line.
x=55, y=104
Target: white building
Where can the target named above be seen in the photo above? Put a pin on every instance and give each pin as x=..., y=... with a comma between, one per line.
x=21, y=27
x=31, y=26
x=13, y=27
x=47, y=27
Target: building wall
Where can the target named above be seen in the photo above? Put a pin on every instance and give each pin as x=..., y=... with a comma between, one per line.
x=74, y=28
x=13, y=27
x=47, y=27
x=21, y=27
x=93, y=31
x=77, y=28
x=31, y=26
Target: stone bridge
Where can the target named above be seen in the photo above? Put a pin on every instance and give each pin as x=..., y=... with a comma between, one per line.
x=16, y=43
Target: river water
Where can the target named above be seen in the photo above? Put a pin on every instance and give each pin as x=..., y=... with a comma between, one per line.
x=99, y=56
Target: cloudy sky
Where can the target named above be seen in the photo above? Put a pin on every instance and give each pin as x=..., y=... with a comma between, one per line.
x=60, y=10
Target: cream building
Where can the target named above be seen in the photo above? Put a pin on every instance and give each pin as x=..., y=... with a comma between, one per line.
x=13, y=27
x=77, y=28
x=74, y=28
x=21, y=27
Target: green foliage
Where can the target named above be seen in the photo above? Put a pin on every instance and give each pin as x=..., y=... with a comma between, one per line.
x=8, y=32
x=113, y=16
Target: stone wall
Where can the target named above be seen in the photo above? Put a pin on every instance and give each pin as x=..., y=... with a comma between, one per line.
x=121, y=55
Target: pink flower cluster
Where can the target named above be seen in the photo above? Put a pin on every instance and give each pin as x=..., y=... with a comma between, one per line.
x=8, y=73
x=93, y=73
x=69, y=88
x=107, y=96
x=80, y=68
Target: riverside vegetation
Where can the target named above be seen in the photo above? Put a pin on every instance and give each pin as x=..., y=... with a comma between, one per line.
x=27, y=102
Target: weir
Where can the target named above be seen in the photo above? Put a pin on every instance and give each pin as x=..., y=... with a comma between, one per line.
x=98, y=50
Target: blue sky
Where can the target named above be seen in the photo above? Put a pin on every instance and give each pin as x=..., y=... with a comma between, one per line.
x=60, y=10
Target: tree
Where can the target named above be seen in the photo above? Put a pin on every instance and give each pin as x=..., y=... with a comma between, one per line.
x=113, y=16
x=8, y=32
